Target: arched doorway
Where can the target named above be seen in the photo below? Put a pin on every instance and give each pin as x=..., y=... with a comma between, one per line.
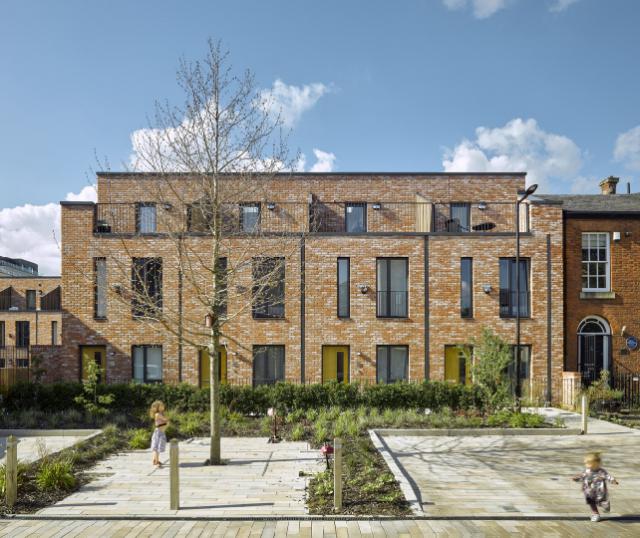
x=594, y=347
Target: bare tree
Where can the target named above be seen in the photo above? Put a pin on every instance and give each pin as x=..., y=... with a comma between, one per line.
x=213, y=158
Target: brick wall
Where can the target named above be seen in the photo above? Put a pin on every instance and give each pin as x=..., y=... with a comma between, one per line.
x=39, y=321
x=625, y=283
x=363, y=331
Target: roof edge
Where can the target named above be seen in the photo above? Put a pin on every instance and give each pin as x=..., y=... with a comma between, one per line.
x=117, y=175
x=72, y=203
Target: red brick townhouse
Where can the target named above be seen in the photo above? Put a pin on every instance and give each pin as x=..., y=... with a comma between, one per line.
x=30, y=316
x=394, y=272
x=602, y=283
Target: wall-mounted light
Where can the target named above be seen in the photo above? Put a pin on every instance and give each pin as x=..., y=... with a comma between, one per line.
x=117, y=288
x=167, y=206
x=376, y=206
x=487, y=288
x=364, y=288
x=359, y=353
x=271, y=206
x=623, y=332
x=482, y=206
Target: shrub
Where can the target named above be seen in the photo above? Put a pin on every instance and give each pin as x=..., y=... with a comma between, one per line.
x=140, y=439
x=55, y=475
x=297, y=433
x=22, y=476
x=492, y=356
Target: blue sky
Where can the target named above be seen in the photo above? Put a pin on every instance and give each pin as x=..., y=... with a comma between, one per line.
x=550, y=86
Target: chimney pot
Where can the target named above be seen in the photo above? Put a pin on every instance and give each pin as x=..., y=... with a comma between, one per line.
x=608, y=185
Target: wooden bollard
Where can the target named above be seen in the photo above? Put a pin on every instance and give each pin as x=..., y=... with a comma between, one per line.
x=174, y=476
x=11, y=478
x=585, y=413
x=337, y=473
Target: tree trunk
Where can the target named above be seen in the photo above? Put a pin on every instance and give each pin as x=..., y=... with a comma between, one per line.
x=214, y=387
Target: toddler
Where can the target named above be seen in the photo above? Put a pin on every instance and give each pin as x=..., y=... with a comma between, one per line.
x=594, y=485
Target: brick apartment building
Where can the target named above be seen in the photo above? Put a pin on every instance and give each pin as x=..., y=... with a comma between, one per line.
x=393, y=273
x=602, y=282
x=30, y=317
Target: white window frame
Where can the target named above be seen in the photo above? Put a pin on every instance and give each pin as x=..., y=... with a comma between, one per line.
x=607, y=261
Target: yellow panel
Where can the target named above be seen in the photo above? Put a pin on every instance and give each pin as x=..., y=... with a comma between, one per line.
x=330, y=363
x=96, y=354
x=454, y=359
x=204, y=366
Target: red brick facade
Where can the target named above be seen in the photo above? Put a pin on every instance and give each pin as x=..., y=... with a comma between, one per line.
x=433, y=319
x=43, y=322
x=619, y=306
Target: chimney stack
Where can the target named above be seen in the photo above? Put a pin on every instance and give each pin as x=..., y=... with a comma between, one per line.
x=608, y=185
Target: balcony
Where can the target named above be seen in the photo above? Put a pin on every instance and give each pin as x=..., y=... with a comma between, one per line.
x=317, y=217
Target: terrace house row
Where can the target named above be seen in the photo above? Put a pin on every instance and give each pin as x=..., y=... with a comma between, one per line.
x=385, y=276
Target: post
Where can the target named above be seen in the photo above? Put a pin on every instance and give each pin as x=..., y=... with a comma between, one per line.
x=337, y=473
x=174, y=476
x=11, y=478
x=517, y=357
x=585, y=413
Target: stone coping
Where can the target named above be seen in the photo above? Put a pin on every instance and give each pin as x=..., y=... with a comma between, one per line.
x=474, y=432
x=25, y=432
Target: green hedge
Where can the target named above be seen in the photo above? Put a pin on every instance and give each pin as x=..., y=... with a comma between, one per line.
x=247, y=400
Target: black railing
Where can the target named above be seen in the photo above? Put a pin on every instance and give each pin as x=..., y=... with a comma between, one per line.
x=317, y=217
x=508, y=303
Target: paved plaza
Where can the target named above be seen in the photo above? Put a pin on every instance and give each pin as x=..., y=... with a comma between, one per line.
x=32, y=444
x=258, y=479
x=522, y=475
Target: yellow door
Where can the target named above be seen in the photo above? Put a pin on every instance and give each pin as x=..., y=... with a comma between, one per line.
x=204, y=366
x=335, y=364
x=456, y=367
x=97, y=354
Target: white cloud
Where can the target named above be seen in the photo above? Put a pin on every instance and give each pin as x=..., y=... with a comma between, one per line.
x=519, y=146
x=292, y=101
x=154, y=149
x=324, y=161
x=627, y=148
x=560, y=5
x=482, y=9
x=32, y=232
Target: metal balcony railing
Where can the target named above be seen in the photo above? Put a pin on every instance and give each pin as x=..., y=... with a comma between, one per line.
x=315, y=217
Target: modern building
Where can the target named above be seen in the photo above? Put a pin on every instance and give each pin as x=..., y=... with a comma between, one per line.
x=30, y=323
x=602, y=282
x=17, y=267
x=384, y=276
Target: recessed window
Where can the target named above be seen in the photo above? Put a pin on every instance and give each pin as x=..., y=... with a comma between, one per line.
x=147, y=364
x=54, y=333
x=100, y=288
x=31, y=299
x=392, y=285
x=146, y=284
x=355, y=217
x=466, y=287
x=509, y=290
x=595, y=262
x=22, y=334
x=343, y=288
x=392, y=364
x=250, y=217
x=459, y=217
x=268, y=365
x=146, y=221
x=2, y=334
x=268, y=287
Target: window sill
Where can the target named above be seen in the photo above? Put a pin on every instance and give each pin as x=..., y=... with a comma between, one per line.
x=100, y=318
x=597, y=295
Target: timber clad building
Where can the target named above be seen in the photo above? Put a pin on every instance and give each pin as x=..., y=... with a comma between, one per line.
x=390, y=275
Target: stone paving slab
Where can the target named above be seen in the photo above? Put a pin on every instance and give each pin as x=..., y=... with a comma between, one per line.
x=30, y=442
x=258, y=479
x=316, y=529
x=517, y=475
